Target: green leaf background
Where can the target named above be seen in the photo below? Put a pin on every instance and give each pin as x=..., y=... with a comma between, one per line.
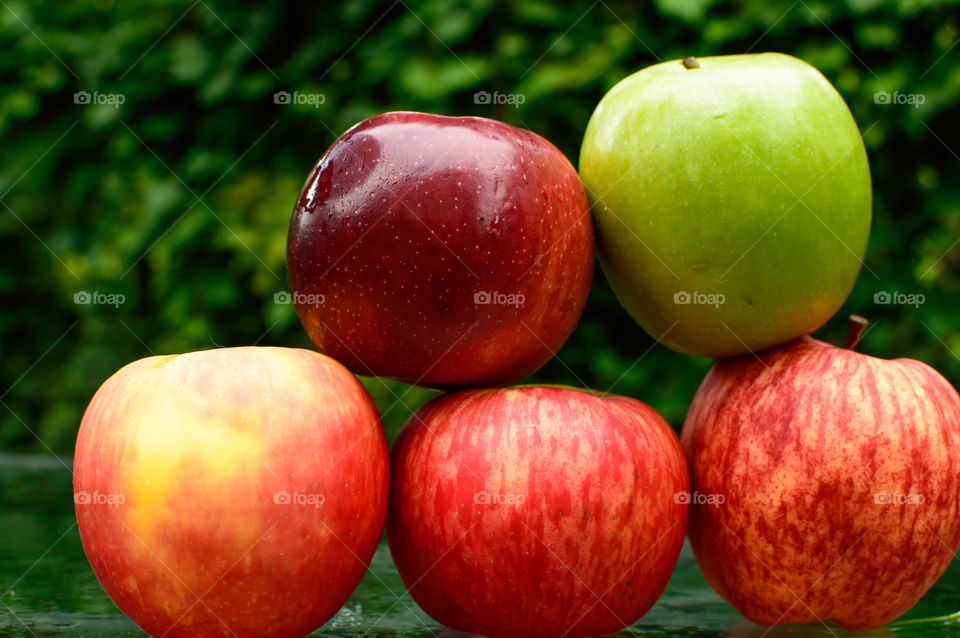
x=179, y=198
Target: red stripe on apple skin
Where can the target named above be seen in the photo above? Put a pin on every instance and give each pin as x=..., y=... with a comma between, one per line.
x=800, y=440
x=199, y=445
x=599, y=517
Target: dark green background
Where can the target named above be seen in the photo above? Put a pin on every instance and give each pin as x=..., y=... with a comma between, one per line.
x=180, y=198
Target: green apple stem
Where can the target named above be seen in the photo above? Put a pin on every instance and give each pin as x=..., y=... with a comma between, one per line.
x=855, y=329
x=691, y=63
x=949, y=619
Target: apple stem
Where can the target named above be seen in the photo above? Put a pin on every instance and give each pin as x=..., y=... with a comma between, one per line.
x=691, y=63
x=855, y=329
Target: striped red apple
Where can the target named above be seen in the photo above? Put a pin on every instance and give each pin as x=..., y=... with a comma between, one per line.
x=835, y=479
x=232, y=492
x=536, y=511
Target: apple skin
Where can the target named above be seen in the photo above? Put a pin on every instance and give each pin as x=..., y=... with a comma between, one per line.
x=803, y=441
x=600, y=515
x=199, y=446
x=694, y=177
x=407, y=217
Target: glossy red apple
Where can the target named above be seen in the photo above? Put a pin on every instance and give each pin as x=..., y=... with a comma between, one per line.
x=536, y=511
x=836, y=483
x=439, y=250
x=232, y=492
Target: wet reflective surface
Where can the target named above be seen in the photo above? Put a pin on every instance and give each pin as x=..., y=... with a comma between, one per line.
x=48, y=589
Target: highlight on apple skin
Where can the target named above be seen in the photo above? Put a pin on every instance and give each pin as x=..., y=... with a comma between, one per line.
x=836, y=483
x=237, y=491
x=732, y=200
x=536, y=511
x=443, y=251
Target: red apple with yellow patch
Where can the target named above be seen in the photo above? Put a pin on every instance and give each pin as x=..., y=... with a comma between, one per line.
x=835, y=479
x=536, y=511
x=237, y=491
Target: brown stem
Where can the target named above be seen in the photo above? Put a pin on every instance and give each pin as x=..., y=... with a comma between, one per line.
x=691, y=63
x=855, y=329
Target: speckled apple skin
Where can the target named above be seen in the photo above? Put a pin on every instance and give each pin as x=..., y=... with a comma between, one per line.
x=742, y=182
x=405, y=223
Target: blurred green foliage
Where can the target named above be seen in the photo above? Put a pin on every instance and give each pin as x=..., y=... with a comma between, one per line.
x=179, y=198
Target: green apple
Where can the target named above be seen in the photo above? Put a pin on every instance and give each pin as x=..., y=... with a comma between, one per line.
x=732, y=200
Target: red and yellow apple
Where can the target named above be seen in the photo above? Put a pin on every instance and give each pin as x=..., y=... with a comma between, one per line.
x=836, y=483
x=536, y=511
x=232, y=492
x=444, y=251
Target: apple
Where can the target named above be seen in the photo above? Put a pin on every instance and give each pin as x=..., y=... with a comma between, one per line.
x=732, y=200
x=835, y=480
x=443, y=251
x=232, y=492
x=536, y=511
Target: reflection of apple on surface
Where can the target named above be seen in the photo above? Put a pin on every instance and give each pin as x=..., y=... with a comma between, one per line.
x=747, y=629
x=441, y=250
x=248, y=487
x=841, y=479
x=536, y=511
x=450, y=633
x=731, y=197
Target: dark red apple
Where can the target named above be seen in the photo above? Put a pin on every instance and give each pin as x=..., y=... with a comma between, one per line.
x=834, y=479
x=440, y=250
x=536, y=511
x=232, y=492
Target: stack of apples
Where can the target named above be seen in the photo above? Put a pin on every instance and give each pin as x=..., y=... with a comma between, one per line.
x=731, y=202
